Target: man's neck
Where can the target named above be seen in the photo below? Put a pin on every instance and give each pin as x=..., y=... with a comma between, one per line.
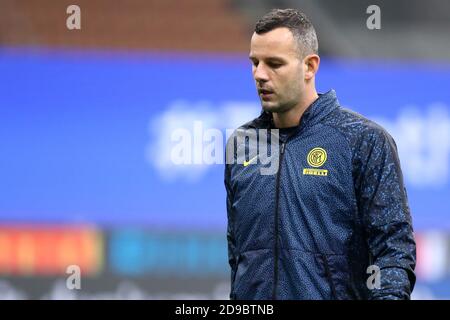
x=291, y=118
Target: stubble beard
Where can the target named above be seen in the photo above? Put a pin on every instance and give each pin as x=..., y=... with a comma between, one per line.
x=276, y=107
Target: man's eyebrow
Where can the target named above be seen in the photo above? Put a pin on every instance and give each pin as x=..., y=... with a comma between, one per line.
x=274, y=59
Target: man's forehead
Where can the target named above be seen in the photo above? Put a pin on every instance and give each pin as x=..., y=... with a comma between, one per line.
x=276, y=43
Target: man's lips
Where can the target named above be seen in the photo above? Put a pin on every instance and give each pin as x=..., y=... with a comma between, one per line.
x=264, y=93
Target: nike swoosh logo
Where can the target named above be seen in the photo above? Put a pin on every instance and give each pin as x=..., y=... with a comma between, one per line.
x=246, y=163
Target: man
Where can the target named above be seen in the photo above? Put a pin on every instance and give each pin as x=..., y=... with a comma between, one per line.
x=333, y=221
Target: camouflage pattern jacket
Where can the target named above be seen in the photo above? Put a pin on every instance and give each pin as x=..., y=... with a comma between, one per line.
x=335, y=206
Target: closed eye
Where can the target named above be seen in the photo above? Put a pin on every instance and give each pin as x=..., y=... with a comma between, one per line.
x=275, y=65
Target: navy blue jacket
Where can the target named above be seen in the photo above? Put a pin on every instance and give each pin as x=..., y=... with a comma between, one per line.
x=335, y=206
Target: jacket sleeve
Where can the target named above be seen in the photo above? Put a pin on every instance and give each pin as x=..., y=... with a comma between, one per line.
x=232, y=257
x=384, y=210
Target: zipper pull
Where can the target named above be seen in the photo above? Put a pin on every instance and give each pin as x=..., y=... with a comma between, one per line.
x=282, y=147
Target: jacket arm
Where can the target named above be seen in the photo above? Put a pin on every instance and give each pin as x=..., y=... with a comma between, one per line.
x=232, y=258
x=383, y=205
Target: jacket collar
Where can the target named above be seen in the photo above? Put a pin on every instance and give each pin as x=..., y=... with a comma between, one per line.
x=320, y=108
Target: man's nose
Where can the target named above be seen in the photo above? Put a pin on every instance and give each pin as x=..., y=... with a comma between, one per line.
x=260, y=73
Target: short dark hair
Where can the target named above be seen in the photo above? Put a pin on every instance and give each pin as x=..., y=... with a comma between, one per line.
x=297, y=22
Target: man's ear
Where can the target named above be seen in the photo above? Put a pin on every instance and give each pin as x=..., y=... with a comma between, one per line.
x=311, y=65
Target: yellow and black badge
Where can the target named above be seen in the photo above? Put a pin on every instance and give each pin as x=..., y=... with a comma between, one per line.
x=316, y=158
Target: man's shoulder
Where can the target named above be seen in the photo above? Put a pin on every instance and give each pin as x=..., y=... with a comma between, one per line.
x=263, y=120
x=245, y=129
x=356, y=127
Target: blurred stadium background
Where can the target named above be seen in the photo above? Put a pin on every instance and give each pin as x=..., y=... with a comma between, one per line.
x=86, y=118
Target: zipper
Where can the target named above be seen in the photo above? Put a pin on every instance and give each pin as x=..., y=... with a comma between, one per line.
x=277, y=196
